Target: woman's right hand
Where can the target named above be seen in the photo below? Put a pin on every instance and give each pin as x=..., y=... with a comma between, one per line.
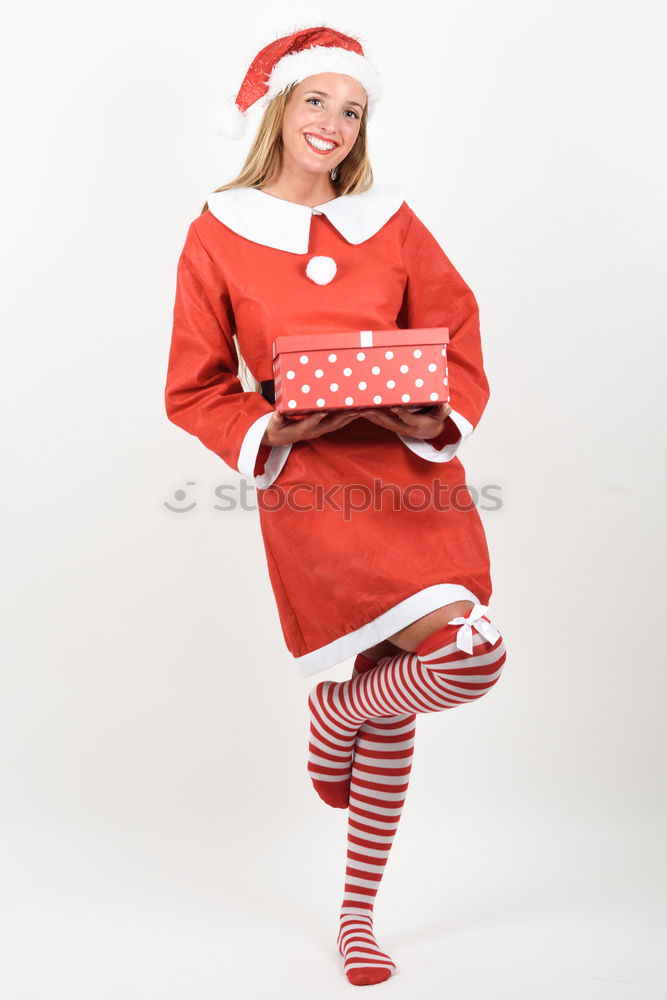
x=283, y=430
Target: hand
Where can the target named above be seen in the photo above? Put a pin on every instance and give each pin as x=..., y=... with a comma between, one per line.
x=420, y=425
x=283, y=430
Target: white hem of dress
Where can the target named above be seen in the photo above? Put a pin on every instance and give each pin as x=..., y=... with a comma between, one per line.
x=400, y=616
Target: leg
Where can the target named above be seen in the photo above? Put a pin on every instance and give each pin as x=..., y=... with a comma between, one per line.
x=450, y=666
x=456, y=663
x=380, y=775
x=441, y=673
x=407, y=638
x=330, y=762
x=385, y=648
x=330, y=751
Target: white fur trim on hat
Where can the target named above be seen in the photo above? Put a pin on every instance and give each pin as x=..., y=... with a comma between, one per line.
x=228, y=120
x=296, y=66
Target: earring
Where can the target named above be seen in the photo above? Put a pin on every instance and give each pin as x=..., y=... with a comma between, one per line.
x=333, y=173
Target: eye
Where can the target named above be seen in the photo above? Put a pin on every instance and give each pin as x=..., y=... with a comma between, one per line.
x=308, y=99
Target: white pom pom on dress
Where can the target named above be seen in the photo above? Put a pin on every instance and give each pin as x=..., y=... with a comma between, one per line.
x=321, y=269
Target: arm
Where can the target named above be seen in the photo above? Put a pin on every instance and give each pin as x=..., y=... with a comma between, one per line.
x=203, y=393
x=436, y=295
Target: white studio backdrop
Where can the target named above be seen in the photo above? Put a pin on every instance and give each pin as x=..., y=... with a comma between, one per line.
x=160, y=835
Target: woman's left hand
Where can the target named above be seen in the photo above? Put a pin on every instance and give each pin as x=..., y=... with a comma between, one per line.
x=420, y=425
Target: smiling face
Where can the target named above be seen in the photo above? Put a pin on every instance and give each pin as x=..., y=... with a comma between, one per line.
x=321, y=121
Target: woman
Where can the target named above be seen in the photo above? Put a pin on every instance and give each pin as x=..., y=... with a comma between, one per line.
x=303, y=240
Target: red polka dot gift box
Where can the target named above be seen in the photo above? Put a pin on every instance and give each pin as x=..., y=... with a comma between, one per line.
x=360, y=369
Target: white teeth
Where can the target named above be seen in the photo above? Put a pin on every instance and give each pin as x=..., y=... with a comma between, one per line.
x=319, y=144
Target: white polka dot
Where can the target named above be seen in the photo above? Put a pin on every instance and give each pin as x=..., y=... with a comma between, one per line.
x=291, y=374
x=304, y=359
x=391, y=383
x=417, y=353
x=433, y=395
x=375, y=369
x=292, y=404
x=331, y=358
x=347, y=371
x=443, y=351
x=318, y=373
x=320, y=402
x=419, y=381
x=360, y=356
x=389, y=354
x=404, y=369
x=349, y=401
x=377, y=399
x=334, y=387
x=362, y=385
x=305, y=388
x=405, y=398
x=444, y=381
x=432, y=367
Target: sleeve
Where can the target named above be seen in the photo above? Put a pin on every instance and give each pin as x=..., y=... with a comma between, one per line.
x=203, y=393
x=436, y=295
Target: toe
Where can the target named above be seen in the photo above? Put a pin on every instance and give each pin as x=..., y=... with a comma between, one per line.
x=365, y=977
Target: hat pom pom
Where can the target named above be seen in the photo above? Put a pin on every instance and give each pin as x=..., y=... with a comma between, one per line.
x=228, y=120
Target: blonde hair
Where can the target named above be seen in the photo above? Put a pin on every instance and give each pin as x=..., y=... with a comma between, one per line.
x=262, y=163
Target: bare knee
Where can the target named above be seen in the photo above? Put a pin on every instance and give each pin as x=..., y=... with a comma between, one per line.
x=410, y=636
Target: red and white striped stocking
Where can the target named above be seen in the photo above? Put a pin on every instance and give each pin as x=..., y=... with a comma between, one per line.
x=379, y=780
x=450, y=667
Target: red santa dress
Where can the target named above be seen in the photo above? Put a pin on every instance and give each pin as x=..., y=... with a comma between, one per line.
x=365, y=530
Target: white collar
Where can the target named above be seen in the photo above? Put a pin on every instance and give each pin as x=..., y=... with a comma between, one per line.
x=285, y=225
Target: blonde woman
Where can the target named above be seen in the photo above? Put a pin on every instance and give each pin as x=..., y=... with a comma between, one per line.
x=374, y=545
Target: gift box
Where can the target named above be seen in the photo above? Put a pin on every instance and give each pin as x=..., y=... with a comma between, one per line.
x=360, y=369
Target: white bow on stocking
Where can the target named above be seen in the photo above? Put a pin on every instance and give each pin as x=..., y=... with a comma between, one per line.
x=474, y=620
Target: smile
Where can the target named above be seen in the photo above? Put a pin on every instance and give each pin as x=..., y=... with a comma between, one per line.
x=319, y=144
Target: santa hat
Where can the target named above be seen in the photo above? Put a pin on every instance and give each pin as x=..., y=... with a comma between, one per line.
x=291, y=59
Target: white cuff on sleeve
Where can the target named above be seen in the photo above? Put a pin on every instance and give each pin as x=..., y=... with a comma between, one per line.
x=250, y=449
x=425, y=449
